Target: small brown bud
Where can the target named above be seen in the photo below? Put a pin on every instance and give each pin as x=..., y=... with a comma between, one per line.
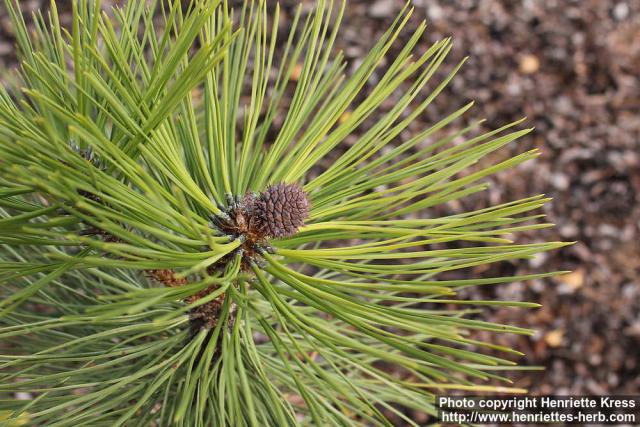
x=166, y=277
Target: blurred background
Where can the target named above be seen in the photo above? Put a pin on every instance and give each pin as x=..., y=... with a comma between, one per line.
x=571, y=67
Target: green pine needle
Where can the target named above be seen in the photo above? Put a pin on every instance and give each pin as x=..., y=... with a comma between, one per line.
x=131, y=133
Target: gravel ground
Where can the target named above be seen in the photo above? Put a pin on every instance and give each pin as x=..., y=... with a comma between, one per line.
x=571, y=67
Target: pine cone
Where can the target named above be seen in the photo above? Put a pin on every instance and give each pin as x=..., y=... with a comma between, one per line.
x=280, y=210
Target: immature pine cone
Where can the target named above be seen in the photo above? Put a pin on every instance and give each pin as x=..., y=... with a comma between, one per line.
x=280, y=210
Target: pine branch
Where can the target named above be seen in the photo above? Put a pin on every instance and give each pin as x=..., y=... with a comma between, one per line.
x=172, y=253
